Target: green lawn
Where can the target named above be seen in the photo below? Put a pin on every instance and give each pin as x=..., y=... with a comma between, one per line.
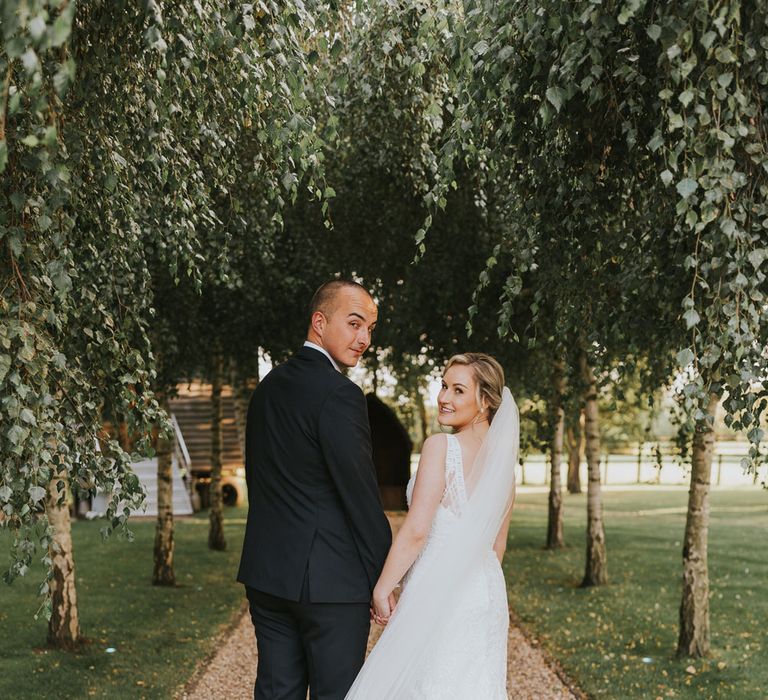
x=602, y=636
x=159, y=633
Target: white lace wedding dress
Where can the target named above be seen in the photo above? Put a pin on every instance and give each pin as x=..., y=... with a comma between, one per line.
x=447, y=639
x=469, y=661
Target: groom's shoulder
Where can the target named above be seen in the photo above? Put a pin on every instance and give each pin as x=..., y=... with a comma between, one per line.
x=309, y=371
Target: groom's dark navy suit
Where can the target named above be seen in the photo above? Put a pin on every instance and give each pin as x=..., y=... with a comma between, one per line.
x=316, y=536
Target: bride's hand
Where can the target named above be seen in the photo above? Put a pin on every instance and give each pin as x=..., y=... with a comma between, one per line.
x=382, y=607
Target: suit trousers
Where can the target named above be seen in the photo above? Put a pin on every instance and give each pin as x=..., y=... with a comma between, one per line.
x=300, y=644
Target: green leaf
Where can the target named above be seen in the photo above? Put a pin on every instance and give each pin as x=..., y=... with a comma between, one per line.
x=724, y=55
x=44, y=222
x=30, y=61
x=64, y=77
x=556, y=95
x=656, y=142
x=62, y=27
x=724, y=79
x=36, y=27
x=62, y=281
x=684, y=357
x=666, y=177
x=16, y=434
x=686, y=187
x=756, y=257
x=289, y=180
x=708, y=39
x=27, y=416
x=3, y=156
x=728, y=226
x=675, y=120
x=673, y=51
x=505, y=53
x=546, y=113
x=741, y=280
x=36, y=493
x=14, y=102
x=654, y=31
x=5, y=365
x=686, y=97
x=691, y=318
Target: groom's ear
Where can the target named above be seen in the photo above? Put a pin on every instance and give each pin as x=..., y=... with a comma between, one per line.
x=318, y=322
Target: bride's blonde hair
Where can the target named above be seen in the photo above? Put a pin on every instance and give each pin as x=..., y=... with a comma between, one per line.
x=489, y=377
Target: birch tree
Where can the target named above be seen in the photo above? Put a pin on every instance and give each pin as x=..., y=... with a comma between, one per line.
x=650, y=117
x=557, y=419
x=111, y=146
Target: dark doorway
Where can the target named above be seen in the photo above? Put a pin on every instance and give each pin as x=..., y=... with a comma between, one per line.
x=391, y=453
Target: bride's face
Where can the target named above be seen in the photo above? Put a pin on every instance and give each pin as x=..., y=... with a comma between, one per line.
x=457, y=401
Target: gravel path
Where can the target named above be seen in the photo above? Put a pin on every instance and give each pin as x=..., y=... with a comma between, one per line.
x=230, y=673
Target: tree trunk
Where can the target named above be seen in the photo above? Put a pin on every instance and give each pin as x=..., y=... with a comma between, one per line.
x=557, y=422
x=373, y=360
x=163, y=573
x=64, y=625
x=694, y=606
x=240, y=404
x=123, y=437
x=242, y=388
x=423, y=421
x=216, y=531
x=596, y=570
x=575, y=440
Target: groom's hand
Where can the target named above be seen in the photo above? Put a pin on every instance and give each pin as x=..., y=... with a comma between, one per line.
x=381, y=608
x=392, y=603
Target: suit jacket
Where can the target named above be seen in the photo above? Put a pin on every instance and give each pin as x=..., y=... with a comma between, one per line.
x=314, y=505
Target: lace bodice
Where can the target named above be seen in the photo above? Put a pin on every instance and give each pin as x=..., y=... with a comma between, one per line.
x=455, y=494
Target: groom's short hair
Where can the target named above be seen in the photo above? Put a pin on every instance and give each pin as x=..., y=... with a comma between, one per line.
x=324, y=299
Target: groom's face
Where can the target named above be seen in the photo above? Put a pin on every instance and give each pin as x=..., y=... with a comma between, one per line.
x=346, y=331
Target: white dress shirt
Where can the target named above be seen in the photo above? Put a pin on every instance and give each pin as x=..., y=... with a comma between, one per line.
x=309, y=344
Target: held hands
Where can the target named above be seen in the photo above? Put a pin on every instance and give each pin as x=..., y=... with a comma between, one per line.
x=382, y=606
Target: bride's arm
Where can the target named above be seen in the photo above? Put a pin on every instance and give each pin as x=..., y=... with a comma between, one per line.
x=427, y=494
x=500, y=545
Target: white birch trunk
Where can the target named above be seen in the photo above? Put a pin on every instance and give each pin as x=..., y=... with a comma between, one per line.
x=596, y=569
x=694, y=639
x=216, y=530
x=64, y=625
x=163, y=573
x=574, y=459
x=555, y=520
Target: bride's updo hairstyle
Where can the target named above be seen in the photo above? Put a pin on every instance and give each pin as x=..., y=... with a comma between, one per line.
x=489, y=377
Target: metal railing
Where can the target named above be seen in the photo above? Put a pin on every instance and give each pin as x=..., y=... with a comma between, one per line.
x=180, y=446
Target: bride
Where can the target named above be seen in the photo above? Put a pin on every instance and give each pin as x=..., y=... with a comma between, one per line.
x=447, y=637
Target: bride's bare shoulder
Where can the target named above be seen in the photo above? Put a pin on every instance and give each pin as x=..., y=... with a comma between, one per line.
x=433, y=451
x=430, y=475
x=435, y=445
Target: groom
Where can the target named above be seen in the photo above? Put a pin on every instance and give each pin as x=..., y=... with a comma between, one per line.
x=316, y=536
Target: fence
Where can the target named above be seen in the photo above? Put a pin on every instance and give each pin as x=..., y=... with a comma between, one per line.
x=642, y=467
